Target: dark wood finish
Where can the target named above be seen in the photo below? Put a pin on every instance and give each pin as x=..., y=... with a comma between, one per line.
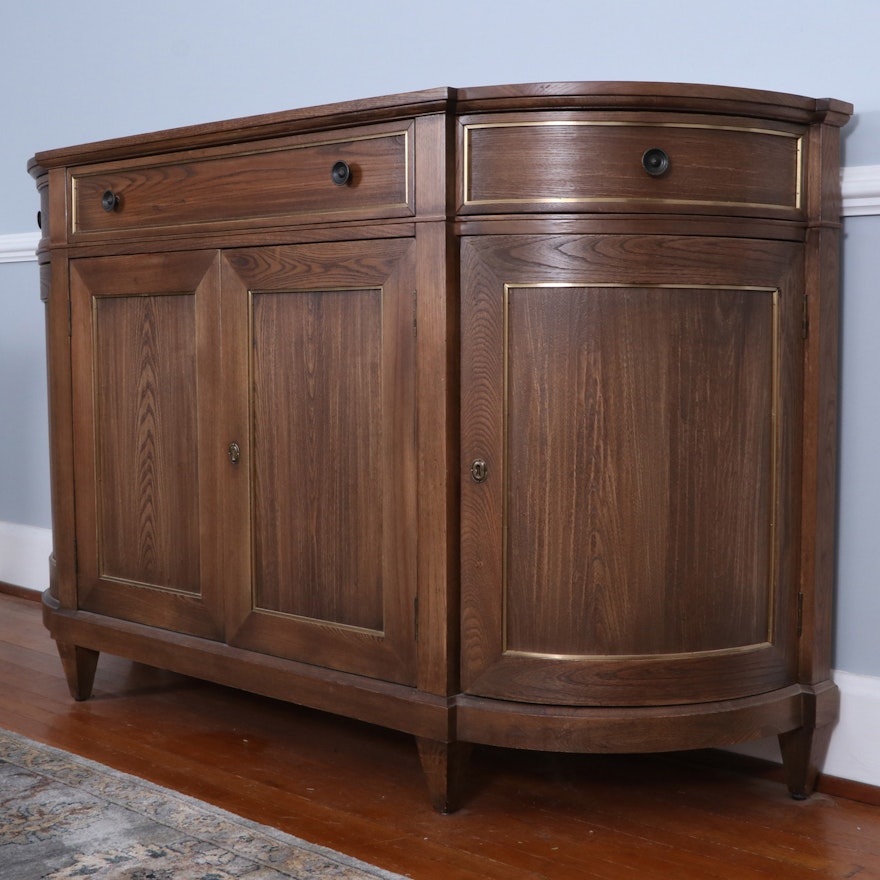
x=146, y=381
x=667, y=97
x=803, y=749
x=630, y=729
x=367, y=699
x=647, y=365
x=285, y=180
x=358, y=788
x=443, y=765
x=330, y=475
x=437, y=393
x=80, y=666
x=621, y=524
x=668, y=512
x=315, y=549
x=148, y=529
x=593, y=162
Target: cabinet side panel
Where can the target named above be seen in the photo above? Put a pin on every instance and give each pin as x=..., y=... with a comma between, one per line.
x=317, y=381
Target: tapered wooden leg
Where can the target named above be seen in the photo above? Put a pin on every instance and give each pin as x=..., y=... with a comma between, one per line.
x=443, y=765
x=803, y=753
x=804, y=748
x=79, y=667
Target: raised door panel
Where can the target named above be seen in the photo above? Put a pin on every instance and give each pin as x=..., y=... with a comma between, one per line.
x=327, y=481
x=144, y=366
x=632, y=540
x=317, y=458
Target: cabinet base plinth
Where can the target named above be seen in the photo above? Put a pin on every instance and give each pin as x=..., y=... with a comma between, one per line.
x=617, y=730
x=445, y=728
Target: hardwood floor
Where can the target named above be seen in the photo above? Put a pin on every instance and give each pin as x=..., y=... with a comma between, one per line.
x=359, y=789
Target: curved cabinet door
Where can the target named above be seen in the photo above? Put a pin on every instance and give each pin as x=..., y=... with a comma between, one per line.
x=144, y=333
x=630, y=461
x=322, y=549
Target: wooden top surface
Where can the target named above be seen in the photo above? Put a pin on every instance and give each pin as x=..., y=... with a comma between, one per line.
x=532, y=96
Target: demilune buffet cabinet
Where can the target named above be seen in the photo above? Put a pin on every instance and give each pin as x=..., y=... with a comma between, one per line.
x=498, y=415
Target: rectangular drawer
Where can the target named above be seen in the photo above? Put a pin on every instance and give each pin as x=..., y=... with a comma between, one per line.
x=286, y=180
x=546, y=162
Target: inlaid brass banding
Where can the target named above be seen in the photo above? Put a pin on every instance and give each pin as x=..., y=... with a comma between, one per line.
x=523, y=163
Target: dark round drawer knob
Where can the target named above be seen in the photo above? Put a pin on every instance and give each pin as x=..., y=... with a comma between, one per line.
x=109, y=201
x=655, y=161
x=341, y=173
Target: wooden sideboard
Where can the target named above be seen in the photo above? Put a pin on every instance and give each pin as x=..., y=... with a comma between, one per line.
x=499, y=415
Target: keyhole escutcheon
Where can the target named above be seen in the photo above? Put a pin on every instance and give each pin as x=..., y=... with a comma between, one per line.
x=479, y=470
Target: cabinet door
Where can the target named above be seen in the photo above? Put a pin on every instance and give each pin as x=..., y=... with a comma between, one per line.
x=324, y=549
x=629, y=533
x=144, y=344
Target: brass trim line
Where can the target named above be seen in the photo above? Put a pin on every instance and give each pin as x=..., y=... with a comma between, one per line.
x=539, y=200
x=615, y=658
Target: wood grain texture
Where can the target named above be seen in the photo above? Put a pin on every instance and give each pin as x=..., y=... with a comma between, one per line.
x=821, y=377
x=328, y=573
x=639, y=480
x=593, y=162
x=144, y=467
x=663, y=97
x=62, y=566
x=636, y=453
x=285, y=178
x=317, y=460
x=145, y=388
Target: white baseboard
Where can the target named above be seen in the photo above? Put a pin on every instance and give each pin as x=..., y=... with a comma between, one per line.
x=24, y=555
x=854, y=752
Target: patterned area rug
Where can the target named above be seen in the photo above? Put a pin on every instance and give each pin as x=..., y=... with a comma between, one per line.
x=63, y=817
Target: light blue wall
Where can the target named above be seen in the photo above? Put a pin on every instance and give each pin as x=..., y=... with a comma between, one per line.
x=857, y=646
x=24, y=438
x=75, y=72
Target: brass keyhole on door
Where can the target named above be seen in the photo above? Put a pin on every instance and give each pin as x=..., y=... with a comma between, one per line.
x=234, y=453
x=479, y=470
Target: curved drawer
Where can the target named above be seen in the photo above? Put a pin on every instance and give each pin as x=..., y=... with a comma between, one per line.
x=589, y=162
x=263, y=183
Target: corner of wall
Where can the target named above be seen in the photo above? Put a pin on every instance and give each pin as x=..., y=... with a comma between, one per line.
x=24, y=555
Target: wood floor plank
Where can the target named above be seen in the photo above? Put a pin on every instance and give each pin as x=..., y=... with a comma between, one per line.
x=359, y=789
